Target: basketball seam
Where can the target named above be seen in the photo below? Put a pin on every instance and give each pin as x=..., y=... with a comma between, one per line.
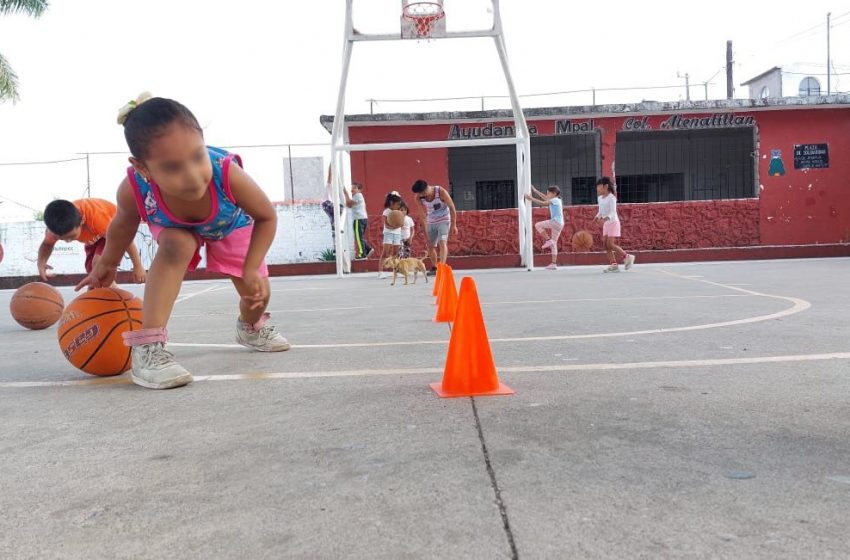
x=99, y=346
x=127, y=360
x=61, y=336
x=42, y=298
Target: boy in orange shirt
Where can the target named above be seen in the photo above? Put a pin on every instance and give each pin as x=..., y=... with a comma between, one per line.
x=86, y=221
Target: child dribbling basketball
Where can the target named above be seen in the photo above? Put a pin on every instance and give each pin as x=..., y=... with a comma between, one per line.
x=607, y=216
x=191, y=195
x=550, y=229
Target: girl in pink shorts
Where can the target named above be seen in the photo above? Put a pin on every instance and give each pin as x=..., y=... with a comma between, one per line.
x=607, y=216
x=192, y=196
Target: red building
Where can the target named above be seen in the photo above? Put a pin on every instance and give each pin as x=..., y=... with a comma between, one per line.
x=765, y=176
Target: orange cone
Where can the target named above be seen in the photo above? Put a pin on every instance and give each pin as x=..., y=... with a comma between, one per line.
x=447, y=300
x=436, y=291
x=470, y=370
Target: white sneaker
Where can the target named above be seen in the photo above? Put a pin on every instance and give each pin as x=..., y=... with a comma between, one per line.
x=382, y=276
x=630, y=260
x=612, y=268
x=154, y=367
x=267, y=339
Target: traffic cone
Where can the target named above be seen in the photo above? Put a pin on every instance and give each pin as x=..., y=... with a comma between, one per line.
x=470, y=370
x=447, y=299
x=436, y=290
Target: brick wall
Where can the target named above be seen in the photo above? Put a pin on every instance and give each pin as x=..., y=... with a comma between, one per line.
x=673, y=225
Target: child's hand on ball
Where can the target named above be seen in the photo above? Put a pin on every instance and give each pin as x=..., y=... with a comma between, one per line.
x=101, y=276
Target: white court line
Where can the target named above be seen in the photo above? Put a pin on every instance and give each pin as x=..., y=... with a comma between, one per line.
x=483, y=304
x=434, y=371
x=202, y=292
x=798, y=305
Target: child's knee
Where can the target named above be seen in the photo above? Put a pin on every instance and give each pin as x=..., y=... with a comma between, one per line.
x=177, y=246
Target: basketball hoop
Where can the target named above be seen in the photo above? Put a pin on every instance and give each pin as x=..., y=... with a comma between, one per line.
x=422, y=16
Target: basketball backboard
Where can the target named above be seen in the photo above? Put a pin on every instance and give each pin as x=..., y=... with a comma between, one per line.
x=384, y=17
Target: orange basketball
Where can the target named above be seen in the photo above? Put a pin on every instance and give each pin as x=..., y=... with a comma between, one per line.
x=91, y=328
x=582, y=241
x=395, y=219
x=36, y=305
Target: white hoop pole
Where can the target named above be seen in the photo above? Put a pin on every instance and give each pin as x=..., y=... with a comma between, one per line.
x=449, y=35
x=337, y=140
x=507, y=140
x=526, y=241
x=522, y=139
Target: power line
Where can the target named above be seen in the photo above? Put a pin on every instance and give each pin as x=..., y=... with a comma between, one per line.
x=813, y=74
x=6, y=198
x=539, y=94
x=42, y=162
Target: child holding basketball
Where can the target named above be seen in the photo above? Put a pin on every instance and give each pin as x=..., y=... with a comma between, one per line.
x=191, y=195
x=86, y=221
x=550, y=229
x=607, y=216
x=407, y=232
x=392, y=235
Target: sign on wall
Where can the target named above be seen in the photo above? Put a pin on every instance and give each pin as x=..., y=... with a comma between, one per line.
x=811, y=156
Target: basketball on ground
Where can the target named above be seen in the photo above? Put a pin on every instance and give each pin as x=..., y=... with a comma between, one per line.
x=582, y=241
x=36, y=305
x=91, y=328
x=395, y=219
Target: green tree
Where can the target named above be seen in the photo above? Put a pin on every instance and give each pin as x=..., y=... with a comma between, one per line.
x=8, y=78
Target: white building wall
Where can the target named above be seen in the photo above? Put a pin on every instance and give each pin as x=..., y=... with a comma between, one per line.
x=303, y=233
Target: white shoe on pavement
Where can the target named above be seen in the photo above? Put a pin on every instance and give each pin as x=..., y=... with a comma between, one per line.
x=261, y=337
x=154, y=367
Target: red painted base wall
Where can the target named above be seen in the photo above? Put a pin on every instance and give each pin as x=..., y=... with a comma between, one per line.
x=801, y=207
x=673, y=225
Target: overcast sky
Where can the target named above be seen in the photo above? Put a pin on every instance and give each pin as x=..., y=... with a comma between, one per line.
x=261, y=72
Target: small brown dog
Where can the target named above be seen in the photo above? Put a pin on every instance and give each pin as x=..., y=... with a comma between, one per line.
x=405, y=267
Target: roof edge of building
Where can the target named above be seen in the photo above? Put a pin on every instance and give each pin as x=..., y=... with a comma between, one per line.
x=646, y=107
x=762, y=75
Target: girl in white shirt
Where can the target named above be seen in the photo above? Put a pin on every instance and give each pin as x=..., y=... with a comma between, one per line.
x=607, y=216
x=392, y=236
x=407, y=231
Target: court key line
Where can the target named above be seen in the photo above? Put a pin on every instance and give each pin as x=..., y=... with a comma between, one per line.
x=483, y=304
x=422, y=371
x=797, y=305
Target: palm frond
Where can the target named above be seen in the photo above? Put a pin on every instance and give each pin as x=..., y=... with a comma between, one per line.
x=29, y=7
x=8, y=81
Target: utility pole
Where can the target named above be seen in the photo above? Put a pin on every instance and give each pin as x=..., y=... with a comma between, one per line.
x=730, y=87
x=828, y=57
x=88, y=176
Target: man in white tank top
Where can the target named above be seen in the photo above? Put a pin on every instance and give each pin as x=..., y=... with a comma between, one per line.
x=439, y=217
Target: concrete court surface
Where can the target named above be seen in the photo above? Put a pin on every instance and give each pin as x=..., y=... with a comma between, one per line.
x=675, y=411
